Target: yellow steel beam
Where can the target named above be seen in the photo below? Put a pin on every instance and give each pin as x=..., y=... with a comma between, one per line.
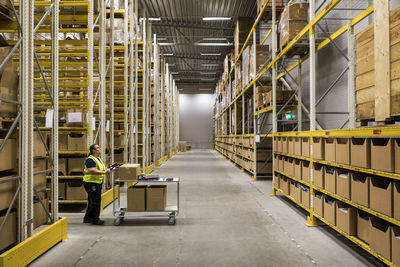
x=107, y=197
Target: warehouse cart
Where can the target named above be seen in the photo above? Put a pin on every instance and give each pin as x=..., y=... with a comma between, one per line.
x=120, y=212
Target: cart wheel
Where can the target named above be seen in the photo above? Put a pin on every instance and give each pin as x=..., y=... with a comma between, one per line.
x=171, y=220
x=118, y=221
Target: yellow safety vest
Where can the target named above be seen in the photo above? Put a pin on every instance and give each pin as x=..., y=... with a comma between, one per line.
x=94, y=178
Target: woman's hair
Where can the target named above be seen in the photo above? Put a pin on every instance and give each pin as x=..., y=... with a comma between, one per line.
x=92, y=148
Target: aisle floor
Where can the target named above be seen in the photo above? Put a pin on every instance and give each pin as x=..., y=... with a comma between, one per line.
x=225, y=220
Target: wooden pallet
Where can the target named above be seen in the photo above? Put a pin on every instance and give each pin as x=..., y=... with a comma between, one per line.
x=267, y=15
x=6, y=122
x=394, y=120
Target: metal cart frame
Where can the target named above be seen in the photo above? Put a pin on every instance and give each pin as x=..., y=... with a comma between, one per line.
x=121, y=212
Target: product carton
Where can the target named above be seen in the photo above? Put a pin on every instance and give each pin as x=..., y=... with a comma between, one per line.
x=129, y=171
x=8, y=155
x=156, y=198
x=295, y=190
x=39, y=148
x=360, y=188
x=39, y=214
x=319, y=175
x=346, y=218
x=297, y=169
x=397, y=155
x=342, y=147
x=7, y=191
x=8, y=85
x=62, y=166
x=319, y=203
x=284, y=144
x=182, y=146
x=297, y=146
x=8, y=235
x=360, y=152
x=318, y=148
x=76, y=166
x=363, y=226
x=276, y=181
x=284, y=184
x=381, y=195
x=242, y=29
x=136, y=198
x=330, y=210
x=330, y=149
x=305, y=196
x=290, y=141
x=330, y=179
x=382, y=154
x=305, y=171
x=39, y=180
x=77, y=142
x=76, y=191
x=396, y=200
x=396, y=245
x=343, y=183
x=290, y=166
x=76, y=118
x=305, y=146
x=380, y=234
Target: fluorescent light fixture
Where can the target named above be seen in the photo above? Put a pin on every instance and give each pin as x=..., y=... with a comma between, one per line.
x=205, y=89
x=208, y=73
x=210, y=65
x=164, y=44
x=210, y=54
x=168, y=54
x=171, y=65
x=161, y=38
x=175, y=72
x=154, y=19
x=207, y=79
x=216, y=18
x=214, y=44
x=214, y=39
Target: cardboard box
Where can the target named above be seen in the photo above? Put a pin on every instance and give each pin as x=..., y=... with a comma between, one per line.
x=363, y=226
x=360, y=188
x=62, y=142
x=39, y=180
x=319, y=171
x=290, y=166
x=305, y=171
x=318, y=148
x=397, y=155
x=39, y=214
x=297, y=169
x=119, y=140
x=76, y=166
x=395, y=245
x=119, y=157
x=242, y=29
x=39, y=148
x=7, y=191
x=278, y=147
x=382, y=154
x=396, y=200
x=8, y=85
x=284, y=145
x=62, y=166
x=319, y=203
x=381, y=195
x=156, y=198
x=276, y=181
x=62, y=189
x=77, y=142
x=330, y=210
x=295, y=190
x=8, y=156
x=342, y=147
x=346, y=218
x=297, y=146
x=8, y=235
x=182, y=146
x=276, y=162
x=305, y=146
x=76, y=191
x=284, y=185
x=290, y=141
x=360, y=152
x=136, y=198
x=305, y=196
x=330, y=179
x=343, y=183
x=330, y=149
x=76, y=118
x=129, y=171
x=296, y=11
x=380, y=235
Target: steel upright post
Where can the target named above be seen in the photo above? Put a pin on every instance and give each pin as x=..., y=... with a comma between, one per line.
x=112, y=79
x=90, y=71
x=132, y=91
x=103, y=88
x=274, y=84
x=126, y=83
x=351, y=73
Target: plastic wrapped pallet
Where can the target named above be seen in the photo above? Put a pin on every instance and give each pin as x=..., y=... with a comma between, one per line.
x=294, y=18
x=246, y=66
x=243, y=27
x=262, y=55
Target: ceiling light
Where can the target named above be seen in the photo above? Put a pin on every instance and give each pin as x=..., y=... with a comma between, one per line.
x=214, y=39
x=154, y=19
x=208, y=79
x=210, y=65
x=166, y=44
x=161, y=38
x=210, y=54
x=208, y=73
x=168, y=54
x=175, y=72
x=205, y=89
x=216, y=18
x=214, y=44
x=171, y=65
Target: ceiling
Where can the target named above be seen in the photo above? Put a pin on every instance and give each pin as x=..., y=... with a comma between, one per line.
x=181, y=32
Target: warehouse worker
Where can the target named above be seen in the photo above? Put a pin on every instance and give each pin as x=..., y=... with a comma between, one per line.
x=94, y=172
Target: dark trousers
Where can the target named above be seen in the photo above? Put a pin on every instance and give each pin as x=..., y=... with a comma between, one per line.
x=94, y=200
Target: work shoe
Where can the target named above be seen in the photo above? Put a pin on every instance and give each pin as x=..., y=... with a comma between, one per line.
x=98, y=222
x=87, y=221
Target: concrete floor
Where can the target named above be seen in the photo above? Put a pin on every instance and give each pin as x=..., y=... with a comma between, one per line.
x=225, y=220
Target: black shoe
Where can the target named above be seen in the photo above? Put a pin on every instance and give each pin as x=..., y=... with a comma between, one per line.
x=87, y=221
x=98, y=222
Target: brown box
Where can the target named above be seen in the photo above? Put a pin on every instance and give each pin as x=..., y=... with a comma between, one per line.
x=8, y=85
x=381, y=195
x=380, y=233
x=284, y=144
x=119, y=157
x=39, y=148
x=297, y=146
x=61, y=190
x=295, y=190
x=76, y=191
x=284, y=185
x=76, y=166
x=360, y=188
x=39, y=180
x=330, y=179
x=319, y=175
x=382, y=154
x=296, y=11
x=156, y=198
x=8, y=235
x=76, y=118
x=363, y=226
x=276, y=144
x=39, y=214
x=282, y=163
x=182, y=146
x=290, y=141
x=330, y=210
x=318, y=148
x=396, y=200
x=136, y=198
x=305, y=146
x=62, y=142
x=346, y=218
x=330, y=149
x=289, y=30
x=290, y=166
x=305, y=171
x=342, y=147
x=7, y=191
x=62, y=166
x=276, y=162
x=319, y=203
x=276, y=181
x=297, y=169
x=77, y=142
x=343, y=183
x=242, y=29
x=360, y=152
x=305, y=196
x=8, y=156
x=397, y=155
x=129, y=171
x=395, y=245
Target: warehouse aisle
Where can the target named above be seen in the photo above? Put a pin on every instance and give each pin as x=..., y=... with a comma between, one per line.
x=225, y=220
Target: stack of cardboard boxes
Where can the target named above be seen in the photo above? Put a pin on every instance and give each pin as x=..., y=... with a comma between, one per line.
x=263, y=97
x=294, y=18
x=147, y=198
x=182, y=146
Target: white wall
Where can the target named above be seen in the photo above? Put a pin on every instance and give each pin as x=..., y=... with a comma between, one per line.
x=196, y=119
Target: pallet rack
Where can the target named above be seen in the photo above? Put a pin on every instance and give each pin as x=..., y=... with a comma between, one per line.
x=225, y=140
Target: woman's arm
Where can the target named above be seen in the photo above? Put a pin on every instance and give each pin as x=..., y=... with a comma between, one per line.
x=96, y=171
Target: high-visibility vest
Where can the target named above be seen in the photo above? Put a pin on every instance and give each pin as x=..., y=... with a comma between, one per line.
x=94, y=178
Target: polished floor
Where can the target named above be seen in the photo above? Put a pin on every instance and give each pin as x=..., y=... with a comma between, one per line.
x=225, y=220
